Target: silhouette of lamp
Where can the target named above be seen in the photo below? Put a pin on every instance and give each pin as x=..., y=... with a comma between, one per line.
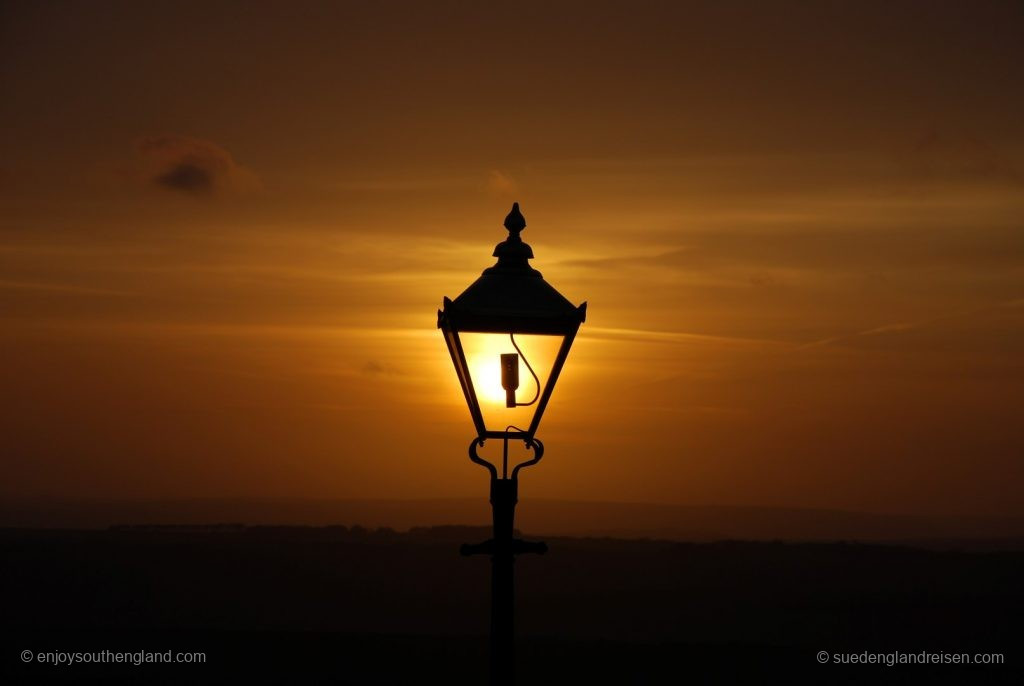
x=509, y=299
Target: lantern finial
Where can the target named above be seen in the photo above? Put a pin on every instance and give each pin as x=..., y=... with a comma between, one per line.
x=513, y=253
x=515, y=222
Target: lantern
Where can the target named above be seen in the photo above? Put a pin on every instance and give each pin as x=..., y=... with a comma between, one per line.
x=509, y=334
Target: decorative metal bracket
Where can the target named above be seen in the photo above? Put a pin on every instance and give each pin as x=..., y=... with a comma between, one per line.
x=479, y=460
x=504, y=496
x=533, y=444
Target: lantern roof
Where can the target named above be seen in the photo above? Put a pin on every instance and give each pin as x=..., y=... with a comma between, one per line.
x=512, y=296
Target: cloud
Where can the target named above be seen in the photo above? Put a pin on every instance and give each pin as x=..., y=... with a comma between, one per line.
x=192, y=166
x=187, y=177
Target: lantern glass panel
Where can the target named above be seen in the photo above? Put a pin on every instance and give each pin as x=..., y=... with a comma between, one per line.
x=484, y=360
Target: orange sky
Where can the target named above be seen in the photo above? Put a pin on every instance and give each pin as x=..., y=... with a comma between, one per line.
x=225, y=230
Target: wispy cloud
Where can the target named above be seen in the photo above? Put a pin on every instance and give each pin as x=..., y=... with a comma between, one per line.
x=650, y=336
x=916, y=323
x=501, y=185
x=68, y=288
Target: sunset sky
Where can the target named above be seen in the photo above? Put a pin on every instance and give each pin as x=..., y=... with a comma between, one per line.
x=226, y=229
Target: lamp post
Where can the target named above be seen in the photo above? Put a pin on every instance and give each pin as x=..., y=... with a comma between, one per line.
x=509, y=299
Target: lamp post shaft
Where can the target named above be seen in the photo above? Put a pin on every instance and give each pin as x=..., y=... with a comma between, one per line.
x=503, y=507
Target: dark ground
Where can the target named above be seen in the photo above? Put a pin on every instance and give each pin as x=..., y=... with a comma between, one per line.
x=294, y=604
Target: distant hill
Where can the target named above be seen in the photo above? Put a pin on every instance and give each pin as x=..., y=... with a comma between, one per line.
x=534, y=516
x=337, y=604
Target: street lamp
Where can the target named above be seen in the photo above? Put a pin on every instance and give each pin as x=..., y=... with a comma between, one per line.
x=480, y=328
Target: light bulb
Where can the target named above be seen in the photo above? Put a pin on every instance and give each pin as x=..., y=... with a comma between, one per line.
x=510, y=377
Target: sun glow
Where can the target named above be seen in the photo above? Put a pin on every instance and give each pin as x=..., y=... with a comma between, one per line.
x=485, y=369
